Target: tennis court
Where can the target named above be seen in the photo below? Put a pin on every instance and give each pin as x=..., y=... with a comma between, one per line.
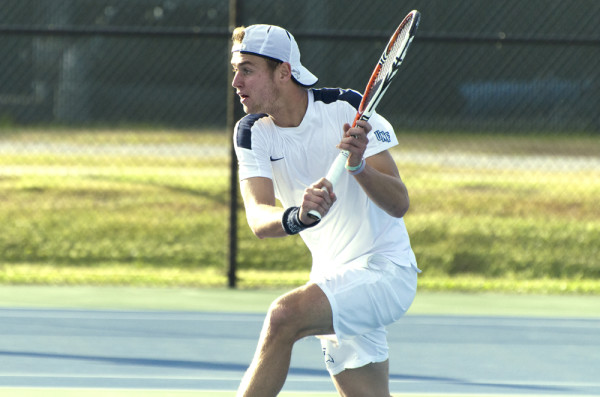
x=131, y=352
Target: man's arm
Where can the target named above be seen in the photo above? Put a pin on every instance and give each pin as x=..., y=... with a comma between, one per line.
x=381, y=181
x=263, y=214
x=264, y=217
x=380, y=178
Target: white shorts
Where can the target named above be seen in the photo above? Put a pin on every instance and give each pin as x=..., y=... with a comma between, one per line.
x=365, y=296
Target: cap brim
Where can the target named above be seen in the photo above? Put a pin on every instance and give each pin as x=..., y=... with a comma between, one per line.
x=305, y=77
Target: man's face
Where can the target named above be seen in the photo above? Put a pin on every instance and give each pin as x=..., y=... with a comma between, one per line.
x=254, y=83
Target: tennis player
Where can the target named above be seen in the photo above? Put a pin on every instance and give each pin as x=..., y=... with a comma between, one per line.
x=364, y=272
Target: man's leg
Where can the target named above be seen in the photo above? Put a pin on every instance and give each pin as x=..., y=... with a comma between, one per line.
x=302, y=312
x=372, y=380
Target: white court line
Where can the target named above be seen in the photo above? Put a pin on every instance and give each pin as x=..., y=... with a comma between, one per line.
x=303, y=378
x=286, y=392
x=127, y=315
x=119, y=376
x=499, y=321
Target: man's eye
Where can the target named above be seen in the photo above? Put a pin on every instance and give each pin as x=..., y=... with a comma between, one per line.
x=243, y=70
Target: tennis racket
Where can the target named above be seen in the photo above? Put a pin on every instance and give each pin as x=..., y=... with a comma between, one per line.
x=380, y=80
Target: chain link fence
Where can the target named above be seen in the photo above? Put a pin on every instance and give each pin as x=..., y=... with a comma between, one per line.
x=115, y=141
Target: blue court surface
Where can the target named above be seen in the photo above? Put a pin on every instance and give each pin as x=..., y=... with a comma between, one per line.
x=171, y=350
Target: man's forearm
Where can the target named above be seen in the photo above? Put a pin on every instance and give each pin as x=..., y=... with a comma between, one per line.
x=387, y=192
x=265, y=221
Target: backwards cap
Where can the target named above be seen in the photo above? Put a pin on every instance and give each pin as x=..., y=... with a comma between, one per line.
x=277, y=43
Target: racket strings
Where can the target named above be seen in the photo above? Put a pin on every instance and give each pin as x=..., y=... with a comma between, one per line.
x=389, y=63
x=395, y=49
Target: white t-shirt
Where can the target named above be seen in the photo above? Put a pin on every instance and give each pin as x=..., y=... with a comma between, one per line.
x=295, y=158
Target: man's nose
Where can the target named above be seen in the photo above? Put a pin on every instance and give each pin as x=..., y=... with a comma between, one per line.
x=235, y=83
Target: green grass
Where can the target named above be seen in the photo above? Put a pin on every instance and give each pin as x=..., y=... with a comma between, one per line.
x=128, y=207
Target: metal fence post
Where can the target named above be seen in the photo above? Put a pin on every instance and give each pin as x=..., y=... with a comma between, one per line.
x=234, y=21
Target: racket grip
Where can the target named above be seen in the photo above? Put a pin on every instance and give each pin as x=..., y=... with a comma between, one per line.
x=337, y=168
x=313, y=214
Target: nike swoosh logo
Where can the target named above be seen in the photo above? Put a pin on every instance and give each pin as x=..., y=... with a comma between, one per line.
x=277, y=159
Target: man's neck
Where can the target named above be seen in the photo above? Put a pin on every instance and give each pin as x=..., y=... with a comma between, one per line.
x=292, y=110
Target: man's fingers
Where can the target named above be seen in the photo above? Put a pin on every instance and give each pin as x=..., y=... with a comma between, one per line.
x=318, y=199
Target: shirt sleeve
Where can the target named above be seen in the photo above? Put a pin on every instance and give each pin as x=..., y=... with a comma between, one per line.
x=381, y=137
x=251, y=149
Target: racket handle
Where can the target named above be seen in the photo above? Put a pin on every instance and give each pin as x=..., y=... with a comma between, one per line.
x=333, y=175
x=337, y=168
x=313, y=214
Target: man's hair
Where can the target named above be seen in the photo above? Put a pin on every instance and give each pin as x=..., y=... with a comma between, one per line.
x=238, y=36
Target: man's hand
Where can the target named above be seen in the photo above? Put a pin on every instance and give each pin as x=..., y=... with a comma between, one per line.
x=318, y=197
x=355, y=142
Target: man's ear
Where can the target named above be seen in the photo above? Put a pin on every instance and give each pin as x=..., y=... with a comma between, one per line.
x=285, y=71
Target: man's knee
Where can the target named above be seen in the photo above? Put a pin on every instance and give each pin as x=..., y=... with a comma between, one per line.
x=282, y=319
x=302, y=312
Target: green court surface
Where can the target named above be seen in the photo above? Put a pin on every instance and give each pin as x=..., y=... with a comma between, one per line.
x=257, y=301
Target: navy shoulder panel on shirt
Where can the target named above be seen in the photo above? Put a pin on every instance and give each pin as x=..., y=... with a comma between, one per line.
x=244, y=130
x=330, y=95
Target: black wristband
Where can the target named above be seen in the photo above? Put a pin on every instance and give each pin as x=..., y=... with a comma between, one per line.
x=291, y=221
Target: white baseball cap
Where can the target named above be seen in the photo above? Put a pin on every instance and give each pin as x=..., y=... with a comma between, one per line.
x=276, y=43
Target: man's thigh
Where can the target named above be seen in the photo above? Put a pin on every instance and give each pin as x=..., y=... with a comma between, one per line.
x=370, y=380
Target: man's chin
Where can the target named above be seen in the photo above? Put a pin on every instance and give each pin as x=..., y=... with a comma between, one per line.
x=248, y=110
